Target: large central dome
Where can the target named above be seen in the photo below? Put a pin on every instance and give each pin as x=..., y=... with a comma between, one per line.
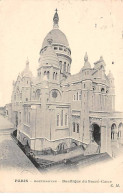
x=57, y=36
x=60, y=55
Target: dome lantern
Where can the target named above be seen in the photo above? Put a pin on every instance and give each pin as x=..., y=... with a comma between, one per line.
x=55, y=20
x=27, y=63
x=27, y=72
x=86, y=57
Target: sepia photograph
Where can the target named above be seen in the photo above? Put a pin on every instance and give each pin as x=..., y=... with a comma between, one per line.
x=61, y=96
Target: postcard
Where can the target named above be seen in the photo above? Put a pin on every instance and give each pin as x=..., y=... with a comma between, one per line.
x=61, y=96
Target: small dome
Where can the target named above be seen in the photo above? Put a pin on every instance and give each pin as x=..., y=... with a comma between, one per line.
x=110, y=75
x=48, y=56
x=86, y=63
x=86, y=57
x=26, y=72
x=101, y=58
x=58, y=37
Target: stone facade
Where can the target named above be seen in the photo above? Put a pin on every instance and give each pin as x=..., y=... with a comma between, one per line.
x=58, y=110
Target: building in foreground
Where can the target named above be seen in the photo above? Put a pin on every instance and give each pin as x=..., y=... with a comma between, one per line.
x=58, y=110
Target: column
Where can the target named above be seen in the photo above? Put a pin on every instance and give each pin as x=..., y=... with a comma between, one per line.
x=103, y=138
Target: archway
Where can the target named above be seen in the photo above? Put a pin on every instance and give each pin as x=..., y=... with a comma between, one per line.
x=113, y=131
x=96, y=135
x=120, y=130
x=38, y=94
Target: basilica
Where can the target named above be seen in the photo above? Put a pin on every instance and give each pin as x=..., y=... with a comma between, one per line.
x=60, y=111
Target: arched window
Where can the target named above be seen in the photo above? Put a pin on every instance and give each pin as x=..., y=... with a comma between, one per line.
x=73, y=126
x=113, y=131
x=56, y=76
x=66, y=119
x=60, y=64
x=38, y=94
x=77, y=128
x=112, y=136
x=84, y=85
x=62, y=118
x=44, y=72
x=74, y=97
x=119, y=134
x=94, y=88
x=48, y=73
x=102, y=89
x=58, y=118
x=34, y=94
x=120, y=130
x=77, y=97
x=53, y=75
x=64, y=66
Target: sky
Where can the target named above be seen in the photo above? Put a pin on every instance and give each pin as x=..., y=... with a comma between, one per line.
x=90, y=26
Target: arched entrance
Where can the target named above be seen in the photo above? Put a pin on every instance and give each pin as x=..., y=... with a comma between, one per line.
x=96, y=135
